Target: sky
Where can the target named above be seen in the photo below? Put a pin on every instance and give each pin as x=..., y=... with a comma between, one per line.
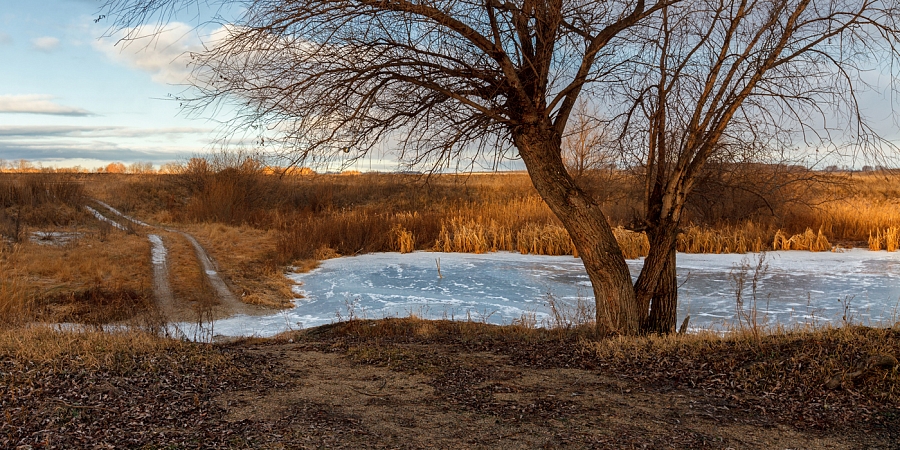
x=69, y=97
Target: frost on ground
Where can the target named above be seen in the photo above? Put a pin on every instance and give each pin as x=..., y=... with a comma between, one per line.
x=58, y=238
x=103, y=218
x=157, y=250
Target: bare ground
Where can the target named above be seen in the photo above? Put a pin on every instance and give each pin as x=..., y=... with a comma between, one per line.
x=334, y=387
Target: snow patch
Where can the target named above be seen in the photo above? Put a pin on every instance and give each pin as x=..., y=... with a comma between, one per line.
x=157, y=249
x=103, y=218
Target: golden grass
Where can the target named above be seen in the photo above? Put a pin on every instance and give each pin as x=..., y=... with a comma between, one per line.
x=470, y=236
x=808, y=240
x=403, y=240
x=633, y=244
x=90, y=349
x=86, y=279
x=246, y=258
x=14, y=298
x=748, y=237
x=887, y=239
x=855, y=218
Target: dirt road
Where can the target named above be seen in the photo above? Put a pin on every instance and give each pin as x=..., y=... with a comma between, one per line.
x=228, y=303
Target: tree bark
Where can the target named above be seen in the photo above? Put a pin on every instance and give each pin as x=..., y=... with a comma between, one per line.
x=656, y=289
x=664, y=303
x=616, y=308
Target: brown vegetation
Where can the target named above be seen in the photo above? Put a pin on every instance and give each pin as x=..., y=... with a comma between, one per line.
x=256, y=223
x=414, y=383
x=406, y=381
x=82, y=280
x=482, y=213
x=246, y=257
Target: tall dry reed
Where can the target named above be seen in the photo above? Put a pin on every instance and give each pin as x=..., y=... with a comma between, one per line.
x=748, y=237
x=808, y=240
x=14, y=304
x=887, y=239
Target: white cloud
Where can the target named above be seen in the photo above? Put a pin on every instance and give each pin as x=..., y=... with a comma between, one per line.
x=5, y=39
x=45, y=43
x=38, y=104
x=46, y=131
x=164, y=54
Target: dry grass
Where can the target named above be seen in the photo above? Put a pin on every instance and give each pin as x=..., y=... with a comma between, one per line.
x=32, y=201
x=14, y=299
x=344, y=215
x=808, y=240
x=887, y=239
x=246, y=258
x=47, y=345
x=745, y=238
x=85, y=280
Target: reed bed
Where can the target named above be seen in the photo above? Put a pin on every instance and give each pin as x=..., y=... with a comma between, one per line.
x=345, y=215
x=808, y=240
x=887, y=239
x=858, y=217
x=748, y=237
x=633, y=244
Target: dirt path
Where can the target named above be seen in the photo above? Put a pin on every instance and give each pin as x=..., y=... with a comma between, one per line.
x=438, y=397
x=162, y=290
x=226, y=297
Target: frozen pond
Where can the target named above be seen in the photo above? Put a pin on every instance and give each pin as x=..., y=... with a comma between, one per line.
x=797, y=287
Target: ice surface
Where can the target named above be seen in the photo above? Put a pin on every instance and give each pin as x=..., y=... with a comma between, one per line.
x=796, y=287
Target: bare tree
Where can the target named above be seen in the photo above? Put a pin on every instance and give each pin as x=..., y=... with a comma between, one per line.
x=445, y=79
x=586, y=145
x=458, y=79
x=727, y=82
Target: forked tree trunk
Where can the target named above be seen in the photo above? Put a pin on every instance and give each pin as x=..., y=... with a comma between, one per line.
x=617, y=310
x=664, y=303
x=656, y=290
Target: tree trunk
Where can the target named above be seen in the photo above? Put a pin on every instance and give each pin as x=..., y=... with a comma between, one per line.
x=656, y=290
x=614, y=298
x=664, y=304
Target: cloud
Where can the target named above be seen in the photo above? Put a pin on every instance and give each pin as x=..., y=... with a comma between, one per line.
x=45, y=43
x=103, y=151
x=47, y=131
x=54, y=143
x=5, y=39
x=164, y=54
x=38, y=104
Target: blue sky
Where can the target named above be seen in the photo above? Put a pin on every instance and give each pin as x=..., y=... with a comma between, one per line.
x=68, y=97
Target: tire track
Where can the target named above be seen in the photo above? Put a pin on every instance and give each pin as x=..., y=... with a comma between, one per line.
x=161, y=288
x=103, y=218
x=225, y=295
